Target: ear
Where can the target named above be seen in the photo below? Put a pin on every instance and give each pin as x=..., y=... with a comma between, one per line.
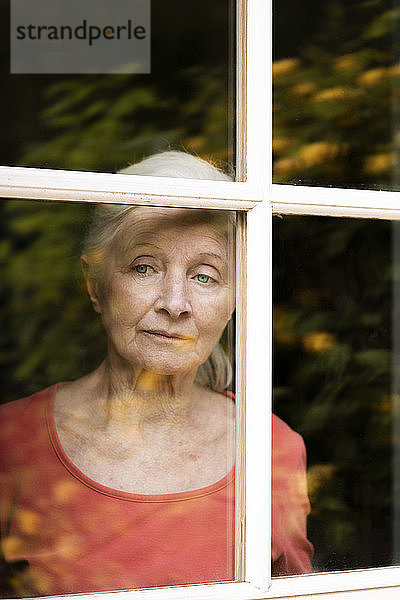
x=92, y=284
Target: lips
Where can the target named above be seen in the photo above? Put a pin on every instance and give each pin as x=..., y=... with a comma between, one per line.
x=166, y=335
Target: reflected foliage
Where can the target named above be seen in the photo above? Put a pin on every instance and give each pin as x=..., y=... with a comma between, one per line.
x=105, y=122
x=49, y=330
x=97, y=123
x=332, y=378
x=336, y=98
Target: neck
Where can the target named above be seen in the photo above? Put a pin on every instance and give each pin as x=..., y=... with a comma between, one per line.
x=132, y=397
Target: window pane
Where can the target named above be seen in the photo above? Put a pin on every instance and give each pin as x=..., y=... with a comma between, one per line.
x=105, y=122
x=336, y=75
x=120, y=474
x=336, y=382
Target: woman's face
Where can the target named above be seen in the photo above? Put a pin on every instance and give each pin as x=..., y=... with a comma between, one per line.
x=167, y=289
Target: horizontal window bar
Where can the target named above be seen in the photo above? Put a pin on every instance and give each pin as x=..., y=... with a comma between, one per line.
x=217, y=591
x=336, y=582
x=391, y=593
x=48, y=184
x=289, y=199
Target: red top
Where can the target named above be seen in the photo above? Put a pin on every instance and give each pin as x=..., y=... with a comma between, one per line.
x=79, y=536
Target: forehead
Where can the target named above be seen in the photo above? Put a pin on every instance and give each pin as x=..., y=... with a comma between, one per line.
x=145, y=223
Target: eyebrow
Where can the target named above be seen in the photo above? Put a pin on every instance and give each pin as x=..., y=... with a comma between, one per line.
x=133, y=244
x=211, y=255
x=202, y=256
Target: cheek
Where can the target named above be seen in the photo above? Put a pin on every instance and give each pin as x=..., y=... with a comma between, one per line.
x=122, y=304
x=213, y=317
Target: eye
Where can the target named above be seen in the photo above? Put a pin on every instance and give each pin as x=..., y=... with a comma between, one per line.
x=202, y=278
x=142, y=269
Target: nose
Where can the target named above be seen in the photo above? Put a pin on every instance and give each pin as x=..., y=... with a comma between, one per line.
x=173, y=297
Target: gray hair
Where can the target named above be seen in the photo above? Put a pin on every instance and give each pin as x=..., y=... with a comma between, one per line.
x=106, y=222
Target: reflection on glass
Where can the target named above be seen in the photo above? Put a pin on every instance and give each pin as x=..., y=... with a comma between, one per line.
x=336, y=381
x=112, y=480
x=336, y=99
x=105, y=122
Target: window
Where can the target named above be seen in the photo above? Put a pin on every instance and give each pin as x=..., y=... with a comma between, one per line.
x=76, y=186
x=165, y=308
x=70, y=118
x=355, y=265
x=254, y=200
x=334, y=381
x=335, y=101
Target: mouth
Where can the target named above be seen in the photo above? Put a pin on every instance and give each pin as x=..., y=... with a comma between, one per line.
x=165, y=335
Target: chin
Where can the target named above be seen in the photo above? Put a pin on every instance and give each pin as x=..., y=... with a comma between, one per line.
x=165, y=363
x=169, y=370
x=169, y=367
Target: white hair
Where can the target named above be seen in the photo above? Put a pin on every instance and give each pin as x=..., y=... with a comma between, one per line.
x=107, y=220
x=176, y=164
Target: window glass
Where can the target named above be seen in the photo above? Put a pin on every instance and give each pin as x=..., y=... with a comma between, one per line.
x=110, y=477
x=336, y=382
x=336, y=82
x=95, y=122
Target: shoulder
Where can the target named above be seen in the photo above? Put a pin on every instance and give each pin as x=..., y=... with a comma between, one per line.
x=283, y=431
x=215, y=418
x=24, y=441
x=287, y=445
x=216, y=403
x=19, y=408
x=222, y=408
x=21, y=419
x=22, y=408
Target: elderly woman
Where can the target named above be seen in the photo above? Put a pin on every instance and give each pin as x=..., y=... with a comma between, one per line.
x=124, y=478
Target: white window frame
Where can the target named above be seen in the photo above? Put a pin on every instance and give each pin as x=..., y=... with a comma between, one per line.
x=256, y=199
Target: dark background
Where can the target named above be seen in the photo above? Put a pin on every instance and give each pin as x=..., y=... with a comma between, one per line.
x=105, y=122
x=334, y=312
